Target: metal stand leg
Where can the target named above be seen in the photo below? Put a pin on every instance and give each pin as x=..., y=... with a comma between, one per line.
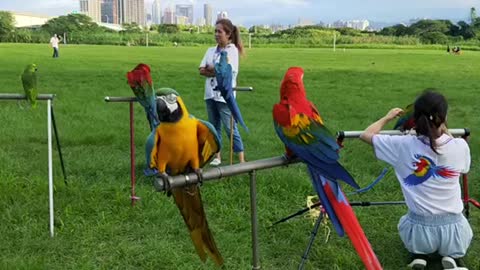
x=58, y=147
x=253, y=207
x=133, y=197
x=310, y=243
x=50, y=167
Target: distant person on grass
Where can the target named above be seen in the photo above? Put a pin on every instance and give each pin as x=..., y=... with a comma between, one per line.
x=54, y=41
x=228, y=39
x=428, y=167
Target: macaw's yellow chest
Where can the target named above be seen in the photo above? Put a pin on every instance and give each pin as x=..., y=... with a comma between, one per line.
x=178, y=146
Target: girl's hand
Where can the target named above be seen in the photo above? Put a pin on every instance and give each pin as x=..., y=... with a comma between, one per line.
x=393, y=113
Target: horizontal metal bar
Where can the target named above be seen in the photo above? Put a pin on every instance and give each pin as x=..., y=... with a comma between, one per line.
x=356, y=134
x=8, y=96
x=134, y=99
x=243, y=88
x=120, y=99
x=220, y=172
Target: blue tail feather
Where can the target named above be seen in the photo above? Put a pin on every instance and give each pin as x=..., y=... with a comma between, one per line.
x=319, y=182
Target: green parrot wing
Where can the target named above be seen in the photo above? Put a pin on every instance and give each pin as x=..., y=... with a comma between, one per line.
x=29, y=82
x=208, y=141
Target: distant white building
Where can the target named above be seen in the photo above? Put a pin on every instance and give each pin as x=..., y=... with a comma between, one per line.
x=355, y=24
x=222, y=15
x=304, y=22
x=23, y=19
x=207, y=14
x=92, y=8
x=156, y=12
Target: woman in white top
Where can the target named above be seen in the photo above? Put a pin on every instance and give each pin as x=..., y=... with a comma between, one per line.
x=228, y=39
x=428, y=167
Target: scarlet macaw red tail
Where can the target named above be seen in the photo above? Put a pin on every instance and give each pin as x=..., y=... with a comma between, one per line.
x=300, y=127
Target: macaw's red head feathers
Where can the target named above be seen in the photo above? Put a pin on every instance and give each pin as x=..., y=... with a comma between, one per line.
x=292, y=84
x=139, y=75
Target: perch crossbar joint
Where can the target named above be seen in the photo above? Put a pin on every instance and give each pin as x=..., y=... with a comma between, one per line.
x=221, y=172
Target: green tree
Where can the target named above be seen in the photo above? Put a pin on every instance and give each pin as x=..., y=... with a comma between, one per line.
x=6, y=25
x=422, y=26
x=434, y=38
x=131, y=28
x=168, y=29
x=72, y=23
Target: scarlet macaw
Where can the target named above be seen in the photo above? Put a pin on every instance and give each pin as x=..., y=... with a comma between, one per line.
x=223, y=74
x=300, y=127
x=141, y=83
x=406, y=121
x=29, y=82
x=183, y=144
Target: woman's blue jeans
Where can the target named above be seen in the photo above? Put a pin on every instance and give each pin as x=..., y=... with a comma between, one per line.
x=219, y=114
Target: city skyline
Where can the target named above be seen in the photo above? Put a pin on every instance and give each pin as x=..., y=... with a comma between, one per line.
x=256, y=12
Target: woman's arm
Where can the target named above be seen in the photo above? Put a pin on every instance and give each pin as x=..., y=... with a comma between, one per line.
x=375, y=128
x=207, y=71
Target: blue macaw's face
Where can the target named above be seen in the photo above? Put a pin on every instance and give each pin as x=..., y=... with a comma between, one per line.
x=221, y=36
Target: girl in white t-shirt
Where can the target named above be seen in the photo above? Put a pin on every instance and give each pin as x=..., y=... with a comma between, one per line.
x=228, y=39
x=428, y=167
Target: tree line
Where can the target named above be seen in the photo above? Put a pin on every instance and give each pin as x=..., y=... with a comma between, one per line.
x=80, y=29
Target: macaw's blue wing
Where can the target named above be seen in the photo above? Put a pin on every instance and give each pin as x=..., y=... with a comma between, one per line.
x=149, y=147
x=223, y=74
x=314, y=144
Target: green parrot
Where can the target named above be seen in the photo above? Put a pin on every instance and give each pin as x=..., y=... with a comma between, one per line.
x=182, y=144
x=29, y=81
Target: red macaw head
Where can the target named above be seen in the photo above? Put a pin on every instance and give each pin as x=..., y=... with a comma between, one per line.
x=292, y=85
x=139, y=75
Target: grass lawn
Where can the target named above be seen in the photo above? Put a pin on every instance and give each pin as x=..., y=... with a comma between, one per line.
x=96, y=228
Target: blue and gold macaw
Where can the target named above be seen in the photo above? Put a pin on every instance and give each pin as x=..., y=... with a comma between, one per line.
x=223, y=74
x=300, y=127
x=182, y=144
x=141, y=83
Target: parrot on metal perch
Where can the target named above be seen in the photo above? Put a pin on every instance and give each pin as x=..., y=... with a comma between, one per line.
x=141, y=83
x=406, y=121
x=184, y=144
x=29, y=81
x=223, y=74
x=300, y=127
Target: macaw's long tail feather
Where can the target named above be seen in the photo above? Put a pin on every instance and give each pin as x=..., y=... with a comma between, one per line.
x=233, y=106
x=343, y=212
x=319, y=182
x=189, y=203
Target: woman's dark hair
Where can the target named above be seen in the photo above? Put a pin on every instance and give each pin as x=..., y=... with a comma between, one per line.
x=430, y=111
x=233, y=31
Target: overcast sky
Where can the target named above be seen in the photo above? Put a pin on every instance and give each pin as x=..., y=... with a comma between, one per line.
x=248, y=12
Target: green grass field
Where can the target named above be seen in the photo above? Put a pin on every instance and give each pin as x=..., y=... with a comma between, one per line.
x=96, y=228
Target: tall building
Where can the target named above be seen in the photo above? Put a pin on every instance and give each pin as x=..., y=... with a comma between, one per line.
x=185, y=10
x=91, y=8
x=168, y=16
x=131, y=11
x=156, y=12
x=207, y=14
x=110, y=11
x=222, y=15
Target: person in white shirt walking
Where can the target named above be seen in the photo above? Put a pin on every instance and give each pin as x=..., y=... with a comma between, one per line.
x=54, y=41
x=228, y=39
x=428, y=167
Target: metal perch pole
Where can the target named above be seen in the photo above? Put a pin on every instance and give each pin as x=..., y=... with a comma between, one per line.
x=48, y=98
x=216, y=173
x=131, y=100
x=232, y=121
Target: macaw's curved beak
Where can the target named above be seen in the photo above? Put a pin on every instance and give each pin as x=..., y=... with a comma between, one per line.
x=167, y=106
